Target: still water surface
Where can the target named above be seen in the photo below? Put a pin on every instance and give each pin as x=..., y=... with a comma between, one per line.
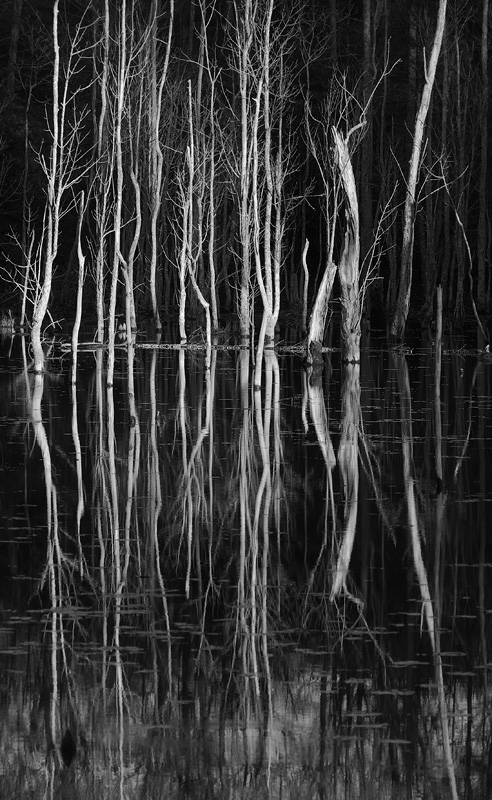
x=212, y=591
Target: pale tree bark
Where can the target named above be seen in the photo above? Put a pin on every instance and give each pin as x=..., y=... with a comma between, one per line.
x=245, y=37
x=53, y=209
x=80, y=288
x=319, y=313
x=268, y=261
x=103, y=175
x=120, y=89
x=349, y=262
x=66, y=165
x=398, y=323
x=348, y=268
x=266, y=285
x=212, y=211
x=272, y=151
x=210, y=159
x=194, y=248
x=156, y=155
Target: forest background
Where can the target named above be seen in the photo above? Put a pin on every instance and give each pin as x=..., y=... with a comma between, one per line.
x=192, y=156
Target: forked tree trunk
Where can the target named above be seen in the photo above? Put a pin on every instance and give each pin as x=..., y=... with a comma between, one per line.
x=399, y=320
x=349, y=262
x=54, y=191
x=348, y=270
x=348, y=461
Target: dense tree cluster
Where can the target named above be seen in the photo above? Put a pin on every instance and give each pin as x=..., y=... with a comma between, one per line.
x=182, y=156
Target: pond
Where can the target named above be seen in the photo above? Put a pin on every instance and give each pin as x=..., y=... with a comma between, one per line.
x=211, y=589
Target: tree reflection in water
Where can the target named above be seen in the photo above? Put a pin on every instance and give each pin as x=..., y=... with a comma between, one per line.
x=215, y=586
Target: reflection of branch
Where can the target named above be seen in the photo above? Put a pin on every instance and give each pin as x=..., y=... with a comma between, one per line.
x=468, y=433
x=348, y=269
x=190, y=480
x=407, y=448
x=101, y=505
x=418, y=561
x=348, y=460
x=53, y=565
x=133, y=454
x=317, y=407
x=155, y=506
x=78, y=467
x=210, y=397
x=243, y=635
x=75, y=337
x=378, y=494
x=320, y=420
x=264, y=499
x=116, y=542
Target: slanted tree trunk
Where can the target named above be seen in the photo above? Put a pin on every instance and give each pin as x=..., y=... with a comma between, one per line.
x=348, y=269
x=319, y=313
x=398, y=323
x=348, y=462
x=349, y=262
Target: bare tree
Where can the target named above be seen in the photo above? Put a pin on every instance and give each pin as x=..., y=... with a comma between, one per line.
x=398, y=323
x=66, y=166
x=157, y=83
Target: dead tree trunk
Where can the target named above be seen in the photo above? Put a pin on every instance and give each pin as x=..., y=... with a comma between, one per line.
x=348, y=269
x=400, y=315
x=317, y=323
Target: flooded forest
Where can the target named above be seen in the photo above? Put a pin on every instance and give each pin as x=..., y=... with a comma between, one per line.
x=245, y=400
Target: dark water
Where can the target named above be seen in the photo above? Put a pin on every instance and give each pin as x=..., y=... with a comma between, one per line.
x=209, y=591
